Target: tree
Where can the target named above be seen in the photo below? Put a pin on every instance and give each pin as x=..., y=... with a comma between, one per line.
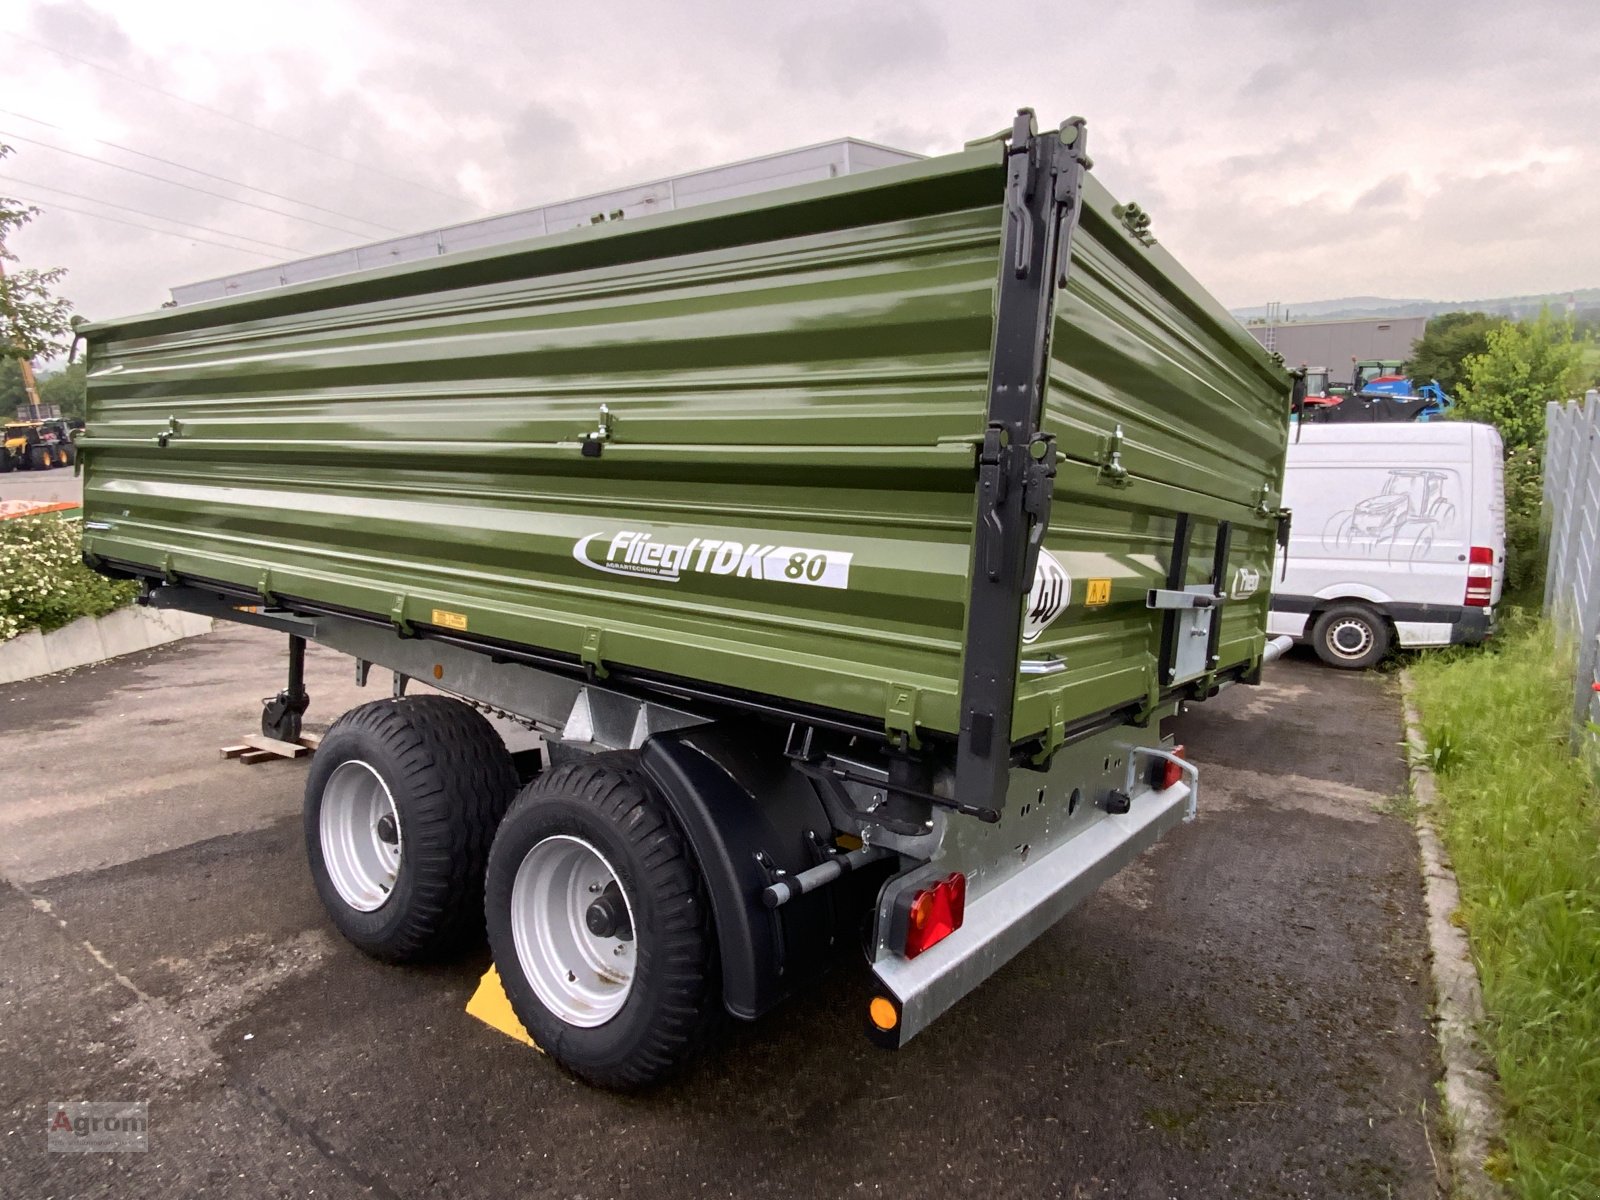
x=67, y=389
x=1523, y=367
x=12, y=394
x=1449, y=340
x=34, y=322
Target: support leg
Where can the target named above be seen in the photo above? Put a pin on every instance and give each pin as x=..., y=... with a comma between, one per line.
x=280, y=714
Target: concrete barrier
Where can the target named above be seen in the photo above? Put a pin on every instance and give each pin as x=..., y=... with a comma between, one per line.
x=95, y=639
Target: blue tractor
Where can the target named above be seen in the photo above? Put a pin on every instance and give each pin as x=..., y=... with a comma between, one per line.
x=1375, y=378
x=1377, y=392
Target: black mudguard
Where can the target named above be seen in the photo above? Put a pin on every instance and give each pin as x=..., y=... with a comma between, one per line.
x=747, y=816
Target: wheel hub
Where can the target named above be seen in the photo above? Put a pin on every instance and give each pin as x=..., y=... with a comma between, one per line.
x=1350, y=638
x=362, y=841
x=573, y=928
x=607, y=917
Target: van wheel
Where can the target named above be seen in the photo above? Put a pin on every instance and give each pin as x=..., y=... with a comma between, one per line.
x=600, y=925
x=1351, y=637
x=401, y=806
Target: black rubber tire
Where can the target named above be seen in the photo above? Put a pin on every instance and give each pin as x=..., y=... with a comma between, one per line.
x=1342, y=619
x=676, y=998
x=451, y=778
x=40, y=459
x=71, y=456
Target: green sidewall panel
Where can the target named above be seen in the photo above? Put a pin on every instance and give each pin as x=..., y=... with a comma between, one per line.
x=796, y=383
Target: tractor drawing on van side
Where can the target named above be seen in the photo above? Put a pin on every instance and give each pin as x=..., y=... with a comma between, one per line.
x=1399, y=522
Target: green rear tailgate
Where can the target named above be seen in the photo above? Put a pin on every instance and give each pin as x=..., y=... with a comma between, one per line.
x=1203, y=413
x=783, y=504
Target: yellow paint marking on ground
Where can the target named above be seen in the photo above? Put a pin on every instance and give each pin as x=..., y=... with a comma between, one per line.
x=489, y=1005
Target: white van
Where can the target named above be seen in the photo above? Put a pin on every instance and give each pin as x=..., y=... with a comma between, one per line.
x=1397, y=537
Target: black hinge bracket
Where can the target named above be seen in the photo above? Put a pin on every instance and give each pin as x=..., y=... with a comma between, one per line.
x=1017, y=459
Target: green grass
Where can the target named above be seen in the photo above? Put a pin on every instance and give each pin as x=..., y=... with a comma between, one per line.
x=1521, y=819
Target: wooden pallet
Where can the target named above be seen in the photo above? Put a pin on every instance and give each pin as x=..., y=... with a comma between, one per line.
x=254, y=748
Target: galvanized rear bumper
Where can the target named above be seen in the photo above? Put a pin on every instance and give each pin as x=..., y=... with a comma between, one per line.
x=1004, y=920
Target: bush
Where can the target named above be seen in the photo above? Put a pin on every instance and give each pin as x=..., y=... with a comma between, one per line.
x=43, y=582
x=1525, y=552
x=1523, y=367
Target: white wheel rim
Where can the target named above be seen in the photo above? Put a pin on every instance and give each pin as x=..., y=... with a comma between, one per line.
x=1349, y=637
x=357, y=820
x=581, y=976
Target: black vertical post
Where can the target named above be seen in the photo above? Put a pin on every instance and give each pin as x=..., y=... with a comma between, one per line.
x=1016, y=466
x=297, y=667
x=1177, y=580
x=1219, y=583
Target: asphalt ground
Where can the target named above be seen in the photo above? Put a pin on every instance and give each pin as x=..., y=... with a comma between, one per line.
x=1243, y=1012
x=58, y=483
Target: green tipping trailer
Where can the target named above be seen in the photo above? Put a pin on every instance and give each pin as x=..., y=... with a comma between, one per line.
x=855, y=538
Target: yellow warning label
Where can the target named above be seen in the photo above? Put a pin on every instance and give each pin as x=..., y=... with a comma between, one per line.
x=450, y=620
x=1097, y=593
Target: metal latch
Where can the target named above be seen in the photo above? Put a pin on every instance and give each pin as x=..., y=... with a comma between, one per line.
x=594, y=442
x=1111, y=469
x=1037, y=490
x=1166, y=598
x=997, y=467
x=174, y=429
x=1136, y=221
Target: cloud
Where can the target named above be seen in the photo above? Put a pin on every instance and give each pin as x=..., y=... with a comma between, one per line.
x=850, y=50
x=1391, y=192
x=87, y=32
x=1276, y=146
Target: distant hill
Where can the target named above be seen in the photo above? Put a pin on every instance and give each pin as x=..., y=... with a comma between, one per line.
x=1382, y=306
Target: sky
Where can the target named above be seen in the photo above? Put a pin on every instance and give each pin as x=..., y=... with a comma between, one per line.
x=1287, y=150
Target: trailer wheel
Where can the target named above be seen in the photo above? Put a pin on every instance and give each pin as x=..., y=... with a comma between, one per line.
x=401, y=807
x=1351, y=637
x=600, y=925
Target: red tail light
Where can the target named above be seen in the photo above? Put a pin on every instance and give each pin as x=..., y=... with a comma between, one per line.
x=1171, y=772
x=934, y=913
x=1480, y=577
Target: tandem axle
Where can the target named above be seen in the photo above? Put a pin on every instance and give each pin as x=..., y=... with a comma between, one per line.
x=801, y=836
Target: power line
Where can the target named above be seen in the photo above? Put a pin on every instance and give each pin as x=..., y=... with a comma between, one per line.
x=332, y=212
x=179, y=183
x=158, y=216
x=188, y=237
x=240, y=120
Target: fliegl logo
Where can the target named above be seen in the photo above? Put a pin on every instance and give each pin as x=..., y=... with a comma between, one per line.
x=635, y=553
x=1052, y=588
x=1246, y=581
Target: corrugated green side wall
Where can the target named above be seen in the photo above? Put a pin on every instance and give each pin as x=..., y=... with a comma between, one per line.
x=801, y=373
